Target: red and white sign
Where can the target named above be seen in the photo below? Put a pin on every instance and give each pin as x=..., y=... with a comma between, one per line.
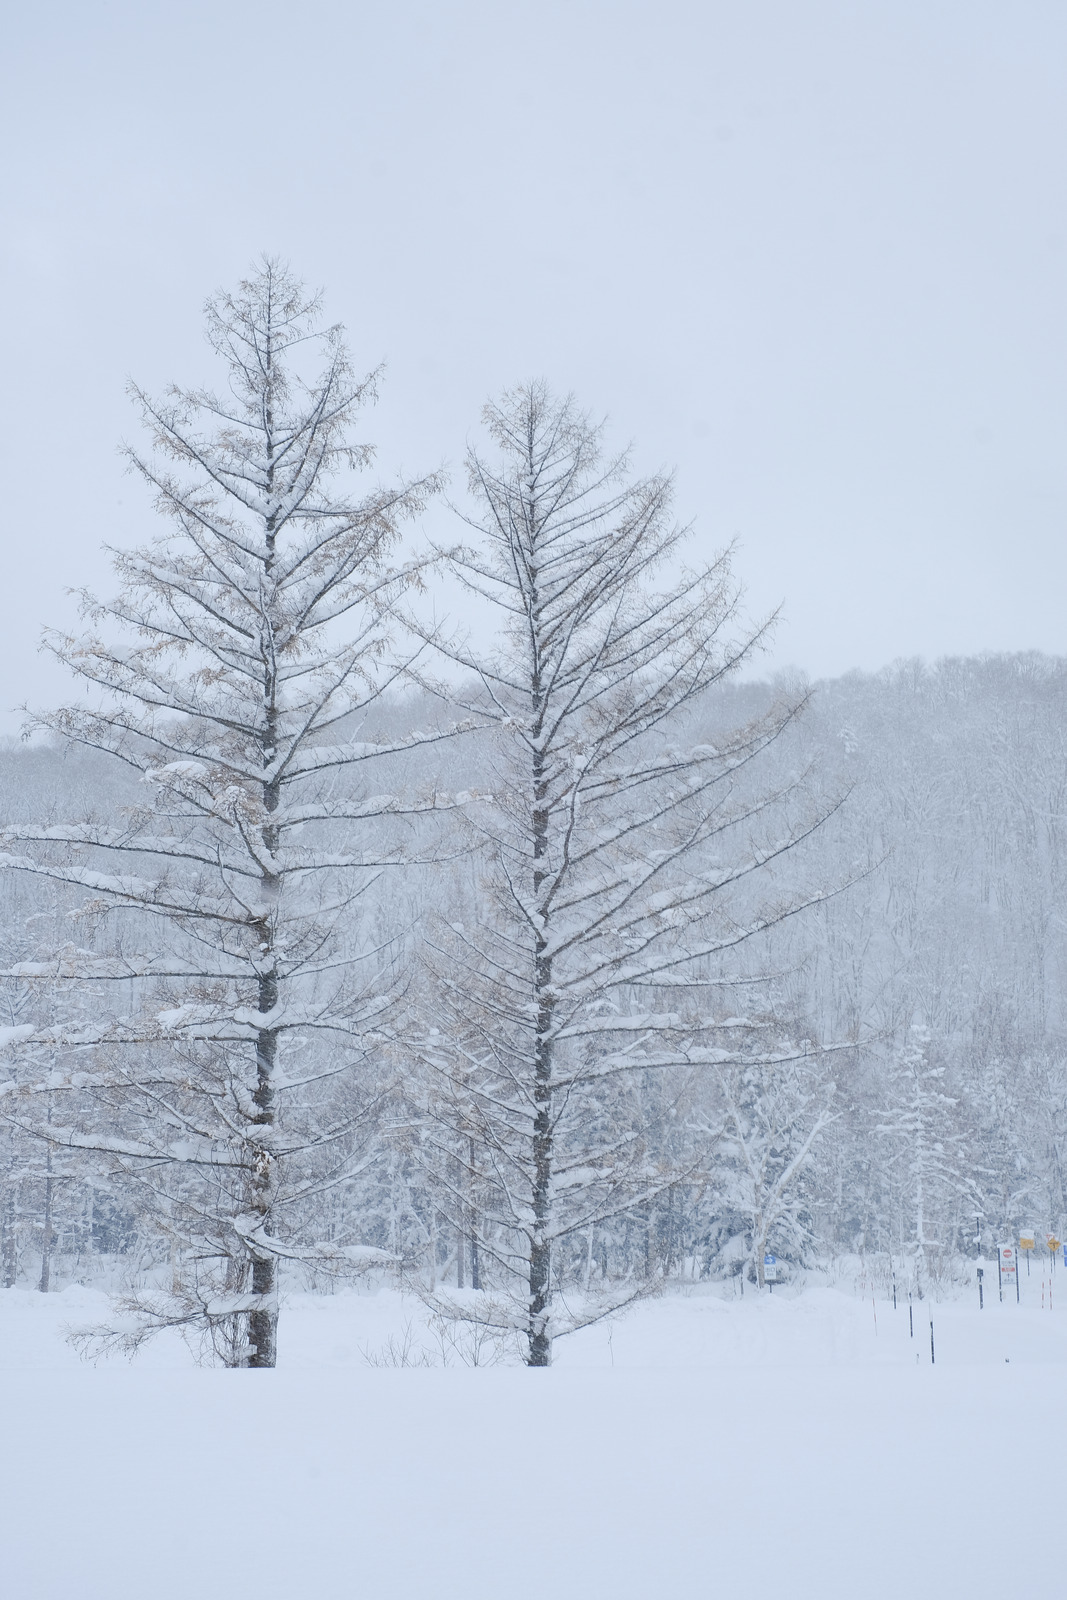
x=1007, y=1260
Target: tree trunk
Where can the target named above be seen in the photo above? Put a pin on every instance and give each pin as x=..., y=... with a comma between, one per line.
x=263, y=1322
x=539, y=1337
x=10, y=1240
x=476, y=1271
x=46, y=1242
x=538, y=1334
x=759, y=1250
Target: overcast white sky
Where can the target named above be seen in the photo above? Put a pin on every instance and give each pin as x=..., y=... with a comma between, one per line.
x=809, y=253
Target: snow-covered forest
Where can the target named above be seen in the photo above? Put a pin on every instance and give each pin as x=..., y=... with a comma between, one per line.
x=533, y=843
x=536, y=956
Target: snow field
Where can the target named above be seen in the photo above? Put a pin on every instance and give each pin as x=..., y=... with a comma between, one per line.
x=741, y=1448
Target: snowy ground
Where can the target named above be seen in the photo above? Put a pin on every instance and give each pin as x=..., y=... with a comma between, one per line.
x=699, y=1446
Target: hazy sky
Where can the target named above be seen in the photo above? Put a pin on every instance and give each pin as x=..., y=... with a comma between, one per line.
x=810, y=254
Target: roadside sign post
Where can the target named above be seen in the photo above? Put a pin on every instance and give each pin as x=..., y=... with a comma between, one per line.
x=1027, y=1241
x=770, y=1271
x=981, y=1299
x=1053, y=1249
x=1007, y=1270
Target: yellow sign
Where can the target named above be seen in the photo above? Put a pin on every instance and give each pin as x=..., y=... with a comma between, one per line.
x=1053, y=1243
x=1027, y=1241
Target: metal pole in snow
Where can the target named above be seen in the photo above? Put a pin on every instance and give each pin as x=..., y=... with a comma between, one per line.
x=981, y=1299
x=911, y=1318
x=931, y=1341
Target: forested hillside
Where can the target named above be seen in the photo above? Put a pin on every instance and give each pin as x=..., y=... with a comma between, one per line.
x=927, y=1106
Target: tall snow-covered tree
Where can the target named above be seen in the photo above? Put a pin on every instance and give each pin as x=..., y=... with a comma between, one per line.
x=774, y=1117
x=618, y=860
x=235, y=678
x=928, y=1145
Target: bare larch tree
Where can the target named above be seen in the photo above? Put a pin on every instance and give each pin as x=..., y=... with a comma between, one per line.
x=225, y=901
x=617, y=862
